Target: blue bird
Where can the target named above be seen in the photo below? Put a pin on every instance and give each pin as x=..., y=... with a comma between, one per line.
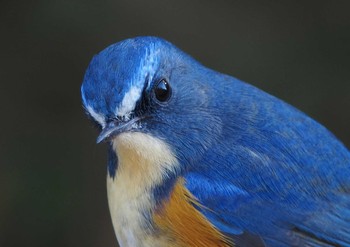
x=199, y=158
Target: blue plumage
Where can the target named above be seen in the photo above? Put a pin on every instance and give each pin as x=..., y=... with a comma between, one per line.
x=260, y=167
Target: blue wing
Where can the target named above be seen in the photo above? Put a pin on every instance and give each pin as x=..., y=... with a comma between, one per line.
x=273, y=174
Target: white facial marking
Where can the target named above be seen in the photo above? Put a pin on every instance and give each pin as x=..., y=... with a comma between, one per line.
x=129, y=102
x=97, y=116
x=148, y=66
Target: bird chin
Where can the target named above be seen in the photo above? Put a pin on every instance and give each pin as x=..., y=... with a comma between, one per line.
x=144, y=145
x=145, y=150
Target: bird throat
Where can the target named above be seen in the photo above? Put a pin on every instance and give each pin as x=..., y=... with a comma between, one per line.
x=143, y=161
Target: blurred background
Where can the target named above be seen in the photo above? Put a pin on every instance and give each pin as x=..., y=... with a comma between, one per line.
x=52, y=174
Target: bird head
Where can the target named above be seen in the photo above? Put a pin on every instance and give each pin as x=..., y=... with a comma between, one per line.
x=147, y=85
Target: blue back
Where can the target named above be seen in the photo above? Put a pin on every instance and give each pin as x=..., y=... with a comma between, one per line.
x=273, y=172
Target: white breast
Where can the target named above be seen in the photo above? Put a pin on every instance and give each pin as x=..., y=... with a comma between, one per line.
x=142, y=162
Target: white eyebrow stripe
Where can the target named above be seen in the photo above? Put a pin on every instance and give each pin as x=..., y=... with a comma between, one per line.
x=129, y=101
x=97, y=116
x=148, y=67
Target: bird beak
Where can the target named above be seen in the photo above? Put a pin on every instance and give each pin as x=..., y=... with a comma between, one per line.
x=116, y=127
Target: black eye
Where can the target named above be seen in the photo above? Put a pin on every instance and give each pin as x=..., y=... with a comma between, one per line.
x=162, y=90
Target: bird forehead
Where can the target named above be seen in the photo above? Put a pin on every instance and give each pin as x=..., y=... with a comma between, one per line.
x=116, y=77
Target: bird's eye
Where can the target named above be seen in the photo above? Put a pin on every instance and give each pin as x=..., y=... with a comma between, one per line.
x=162, y=90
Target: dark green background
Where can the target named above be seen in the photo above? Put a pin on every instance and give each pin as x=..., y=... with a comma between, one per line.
x=52, y=174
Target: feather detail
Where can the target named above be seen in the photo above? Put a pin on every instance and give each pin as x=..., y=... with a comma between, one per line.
x=179, y=219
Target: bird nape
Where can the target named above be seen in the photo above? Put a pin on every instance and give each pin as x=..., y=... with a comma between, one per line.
x=199, y=158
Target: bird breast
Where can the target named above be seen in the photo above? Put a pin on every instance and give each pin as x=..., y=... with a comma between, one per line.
x=142, y=162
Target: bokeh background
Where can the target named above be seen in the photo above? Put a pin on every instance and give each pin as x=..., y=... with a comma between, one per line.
x=52, y=174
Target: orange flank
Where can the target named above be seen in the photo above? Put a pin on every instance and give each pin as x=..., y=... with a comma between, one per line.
x=183, y=224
